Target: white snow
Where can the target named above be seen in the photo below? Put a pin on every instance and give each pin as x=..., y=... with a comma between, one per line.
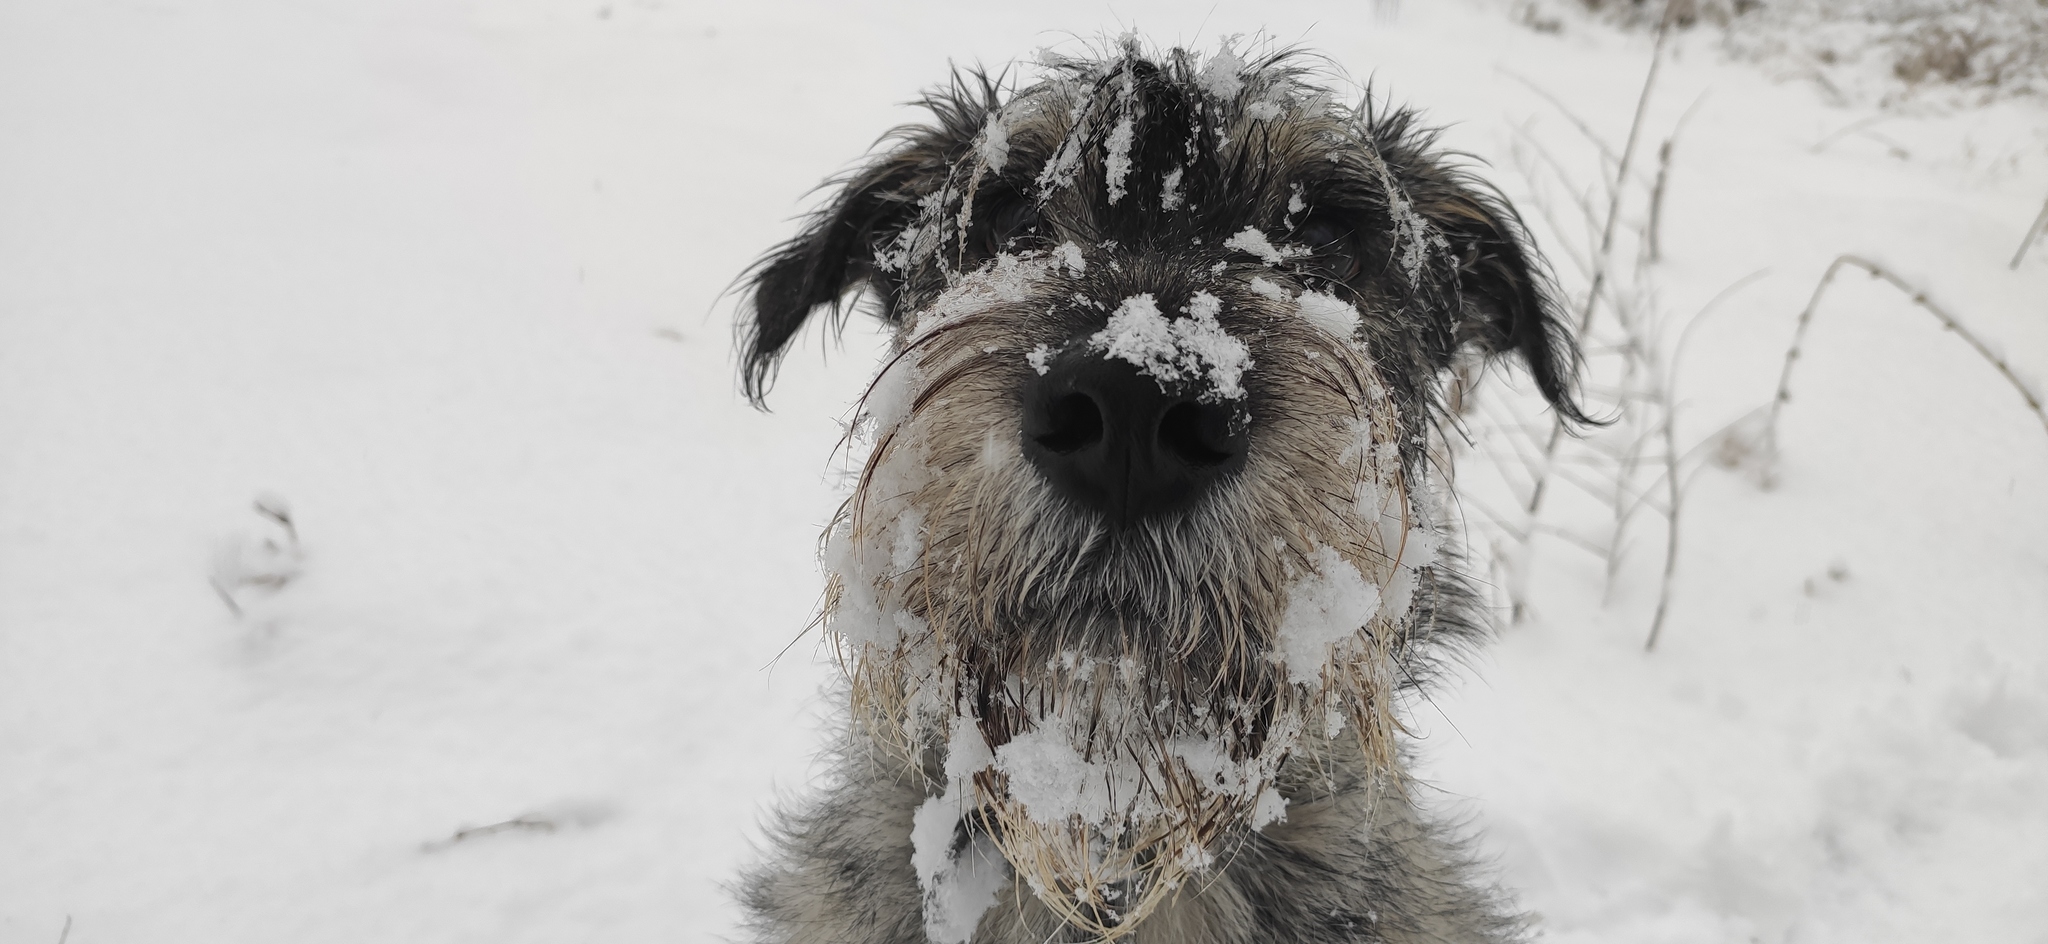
x=1210, y=763
x=1116, y=161
x=1221, y=73
x=1053, y=781
x=994, y=146
x=1261, y=286
x=1414, y=237
x=958, y=889
x=1070, y=258
x=978, y=876
x=1170, y=197
x=1325, y=609
x=1196, y=348
x=447, y=276
x=1328, y=312
x=966, y=749
x=1251, y=240
x=1040, y=358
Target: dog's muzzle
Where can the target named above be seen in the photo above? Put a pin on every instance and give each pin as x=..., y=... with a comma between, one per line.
x=1114, y=440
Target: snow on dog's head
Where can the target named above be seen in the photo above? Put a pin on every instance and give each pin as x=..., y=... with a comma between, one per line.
x=1146, y=514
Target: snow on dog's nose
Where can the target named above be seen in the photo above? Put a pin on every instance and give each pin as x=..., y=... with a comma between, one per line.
x=1144, y=416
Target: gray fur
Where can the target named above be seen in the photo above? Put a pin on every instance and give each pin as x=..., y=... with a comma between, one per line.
x=1019, y=579
x=1355, y=862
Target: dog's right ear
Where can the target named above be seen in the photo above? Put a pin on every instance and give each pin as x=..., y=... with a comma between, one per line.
x=833, y=255
x=841, y=245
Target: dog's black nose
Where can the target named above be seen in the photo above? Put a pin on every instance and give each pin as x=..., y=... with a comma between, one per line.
x=1113, y=439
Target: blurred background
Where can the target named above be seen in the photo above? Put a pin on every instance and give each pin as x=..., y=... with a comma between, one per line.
x=386, y=554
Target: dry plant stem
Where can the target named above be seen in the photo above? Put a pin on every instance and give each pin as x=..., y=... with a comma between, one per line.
x=532, y=823
x=1919, y=298
x=1656, y=247
x=1602, y=261
x=2040, y=222
x=1674, y=490
x=1583, y=201
x=1674, y=498
x=1638, y=353
x=1606, y=154
x=226, y=597
x=1845, y=131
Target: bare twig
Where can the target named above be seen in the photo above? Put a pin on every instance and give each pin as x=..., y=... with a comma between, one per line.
x=1845, y=131
x=1655, y=244
x=1628, y=150
x=1606, y=153
x=275, y=508
x=1604, y=259
x=2040, y=223
x=226, y=596
x=529, y=823
x=1674, y=490
x=1919, y=298
x=65, y=934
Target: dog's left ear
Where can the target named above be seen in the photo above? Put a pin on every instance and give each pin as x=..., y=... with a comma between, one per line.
x=1503, y=300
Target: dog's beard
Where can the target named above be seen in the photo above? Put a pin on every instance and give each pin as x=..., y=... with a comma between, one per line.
x=1106, y=710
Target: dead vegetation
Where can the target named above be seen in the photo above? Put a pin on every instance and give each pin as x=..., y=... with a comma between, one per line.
x=1889, y=50
x=1610, y=237
x=1607, y=232
x=1949, y=322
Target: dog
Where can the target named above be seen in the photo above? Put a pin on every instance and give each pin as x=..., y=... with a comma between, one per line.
x=1150, y=544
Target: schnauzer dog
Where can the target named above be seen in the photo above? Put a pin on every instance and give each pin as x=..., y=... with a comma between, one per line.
x=1149, y=546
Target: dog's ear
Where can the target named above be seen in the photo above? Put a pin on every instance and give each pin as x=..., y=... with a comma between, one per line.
x=841, y=246
x=833, y=255
x=1501, y=299
x=1505, y=302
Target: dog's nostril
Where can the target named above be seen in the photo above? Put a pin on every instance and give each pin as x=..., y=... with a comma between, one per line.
x=1073, y=422
x=1111, y=439
x=1197, y=435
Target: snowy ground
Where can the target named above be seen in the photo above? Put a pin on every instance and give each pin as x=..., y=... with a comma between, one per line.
x=446, y=280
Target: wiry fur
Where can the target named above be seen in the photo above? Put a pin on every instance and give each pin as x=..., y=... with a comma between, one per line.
x=968, y=592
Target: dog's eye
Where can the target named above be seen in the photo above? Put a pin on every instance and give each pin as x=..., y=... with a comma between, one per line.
x=1332, y=242
x=1011, y=220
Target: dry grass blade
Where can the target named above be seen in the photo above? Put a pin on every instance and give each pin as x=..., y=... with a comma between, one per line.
x=2040, y=223
x=1948, y=320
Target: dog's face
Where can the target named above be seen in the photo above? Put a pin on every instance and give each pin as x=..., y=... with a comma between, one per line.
x=1147, y=511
